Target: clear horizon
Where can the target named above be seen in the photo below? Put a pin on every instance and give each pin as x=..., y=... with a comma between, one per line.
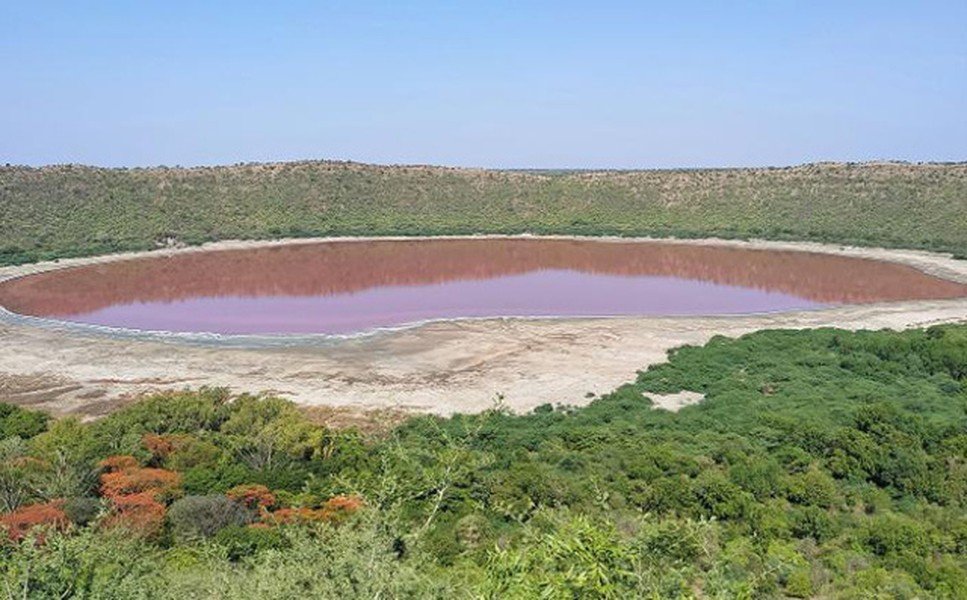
x=617, y=85
x=474, y=168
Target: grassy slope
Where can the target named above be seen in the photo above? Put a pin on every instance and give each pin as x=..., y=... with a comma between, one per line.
x=71, y=210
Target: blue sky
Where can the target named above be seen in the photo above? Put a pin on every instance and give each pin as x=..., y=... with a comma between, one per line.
x=490, y=84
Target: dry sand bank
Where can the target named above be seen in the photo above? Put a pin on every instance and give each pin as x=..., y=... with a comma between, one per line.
x=442, y=367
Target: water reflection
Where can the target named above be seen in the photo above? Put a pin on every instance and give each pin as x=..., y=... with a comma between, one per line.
x=458, y=278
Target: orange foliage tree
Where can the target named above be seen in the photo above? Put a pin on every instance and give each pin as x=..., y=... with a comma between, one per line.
x=19, y=523
x=252, y=496
x=335, y=510
x=137, y=494
x=141, y=514
x=338, y=508
x=163, y=445
x=160, y=483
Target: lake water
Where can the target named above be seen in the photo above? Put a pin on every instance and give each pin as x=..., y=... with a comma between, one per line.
x=347, y=287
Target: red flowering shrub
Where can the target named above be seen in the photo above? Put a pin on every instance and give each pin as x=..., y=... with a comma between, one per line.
x=343, y=504
x=136, y=503
x=338, y=508
x=18, y=523
x=160, y=446
x=252, y=496
x=139, y=513
x=335, y=510
x=163, y=445
x=137, y=480
x=137, y=494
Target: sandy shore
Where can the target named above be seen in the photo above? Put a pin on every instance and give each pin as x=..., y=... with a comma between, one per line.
x=442, y=367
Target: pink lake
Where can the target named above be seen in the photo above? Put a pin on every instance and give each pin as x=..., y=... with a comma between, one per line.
x=355, y=286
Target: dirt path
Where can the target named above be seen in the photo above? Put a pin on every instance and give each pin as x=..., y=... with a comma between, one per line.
x=443, y=367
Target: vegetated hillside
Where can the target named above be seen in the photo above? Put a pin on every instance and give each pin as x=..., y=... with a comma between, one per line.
x=74, y=210
x=823, y=463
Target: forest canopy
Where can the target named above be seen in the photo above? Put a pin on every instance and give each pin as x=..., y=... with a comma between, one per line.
x=70, y=210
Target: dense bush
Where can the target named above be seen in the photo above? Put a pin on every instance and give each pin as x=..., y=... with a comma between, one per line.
x=243, y=542
x=82, y=511
x=15, y=421
x=196, y=517
x=821, y=463
x=24, y=519
x=71, y=210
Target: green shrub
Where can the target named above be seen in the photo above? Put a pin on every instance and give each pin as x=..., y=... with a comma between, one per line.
x=82, y=511
x=243, y=541
x=812, y=522
x=892, y=534
x=799, y=584
x=812, y=488
x=15, y=421
x=195, y=517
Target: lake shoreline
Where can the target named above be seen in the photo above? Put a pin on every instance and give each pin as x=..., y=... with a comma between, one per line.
x=441, y=367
